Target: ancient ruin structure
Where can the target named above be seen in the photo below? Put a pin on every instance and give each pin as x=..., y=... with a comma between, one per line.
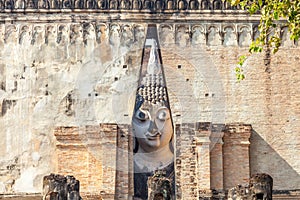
x=69, y=73
x=56, y=187
x=259, y=188
x=159, y=186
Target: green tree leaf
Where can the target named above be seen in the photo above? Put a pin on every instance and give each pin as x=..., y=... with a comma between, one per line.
x=273, y=14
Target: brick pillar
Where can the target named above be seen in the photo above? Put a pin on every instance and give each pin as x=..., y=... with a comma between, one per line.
x=236, y=154
x=186, y=162
x=79, y=153
x=216, y=157
x=124, y=182
x=95, y=160
x=202, y=140
x=108, y=144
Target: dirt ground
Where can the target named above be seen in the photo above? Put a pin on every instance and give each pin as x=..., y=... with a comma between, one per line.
x=25, y=197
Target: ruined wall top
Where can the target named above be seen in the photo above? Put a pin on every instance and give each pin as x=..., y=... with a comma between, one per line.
x=113, y=5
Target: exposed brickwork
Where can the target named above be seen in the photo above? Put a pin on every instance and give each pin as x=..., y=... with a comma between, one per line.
x=203, y=132
x=90, y=155
x=124, y=182
x=186, y=162
x=203, y=162
x=216, y=157
x=236, y=155
x=193, y=160
x=109, y=152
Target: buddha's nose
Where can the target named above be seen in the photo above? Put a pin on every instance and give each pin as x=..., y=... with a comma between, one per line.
x=152, y=127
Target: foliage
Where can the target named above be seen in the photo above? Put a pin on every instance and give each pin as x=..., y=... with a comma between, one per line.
x=273, y=15
x=238, y=70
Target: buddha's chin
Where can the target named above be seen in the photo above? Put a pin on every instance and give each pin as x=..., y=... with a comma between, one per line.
x=153, y=143
x=150, y=145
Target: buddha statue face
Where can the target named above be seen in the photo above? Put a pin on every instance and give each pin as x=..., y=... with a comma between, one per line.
x=152, y=126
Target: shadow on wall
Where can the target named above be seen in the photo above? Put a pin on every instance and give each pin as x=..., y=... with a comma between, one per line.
x=264, y=159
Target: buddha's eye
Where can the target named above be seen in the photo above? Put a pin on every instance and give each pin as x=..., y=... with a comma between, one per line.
x=142, y=115
x=163, y=115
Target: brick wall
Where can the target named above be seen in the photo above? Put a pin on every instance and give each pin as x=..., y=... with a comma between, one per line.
x=124, y=172
x=236, y=155
x=216, y=157
x=266, y=99
x=209, y=157
x=89, y=154
x=193, y=174
x=186, y=162
x=202, y=139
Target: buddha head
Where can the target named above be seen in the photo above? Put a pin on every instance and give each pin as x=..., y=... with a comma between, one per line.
x=151, y=121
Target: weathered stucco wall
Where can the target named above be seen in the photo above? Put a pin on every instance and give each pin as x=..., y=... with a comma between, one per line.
x=77, y=71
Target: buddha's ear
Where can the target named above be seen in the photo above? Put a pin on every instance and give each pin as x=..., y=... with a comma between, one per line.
x=171, y=143
x=135, y=145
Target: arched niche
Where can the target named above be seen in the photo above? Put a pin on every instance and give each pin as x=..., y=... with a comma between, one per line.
x=217, y=5
x=79, y=4
x=182, y=36
x=127, y=37
x=114, y=34
x=205, y=5
x=148, y=4
x=182, y=5
x=125, y=4
x=194, y=5
x=213, y=37
x=113, y=4
x=285, y=37
x=102, y=4
x=198, y=35
x=160, y=5
x=101, y=32
x=230, y=37
x=170, y=5
x=256, y=32
x=136, y=4
x=245, y=38
x=166, y=35
x=91, y=4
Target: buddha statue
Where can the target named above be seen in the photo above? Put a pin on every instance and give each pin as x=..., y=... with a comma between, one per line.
x=151, y=122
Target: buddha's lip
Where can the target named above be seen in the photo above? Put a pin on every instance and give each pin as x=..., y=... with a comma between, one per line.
x=152, y=136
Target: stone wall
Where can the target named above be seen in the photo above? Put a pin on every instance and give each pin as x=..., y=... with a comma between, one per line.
x=61, y=70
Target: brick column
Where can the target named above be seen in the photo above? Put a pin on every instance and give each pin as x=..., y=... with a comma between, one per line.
x=186, y=162
x=108, y=144
x=193, y=161
x=95, y=159
x=216, y=157
x=202, y=140
x=124, y=171
x=236, y=154
x=76, y=151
